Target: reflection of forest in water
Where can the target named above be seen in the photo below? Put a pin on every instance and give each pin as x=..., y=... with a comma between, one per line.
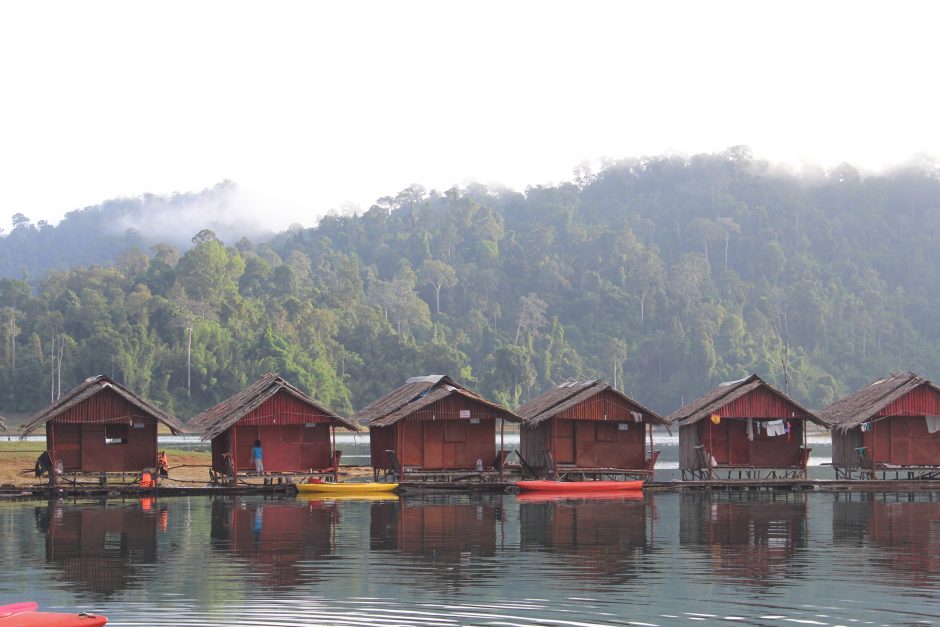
x=280, y=541
x=601, y=541
x=900, y=534
x=100, y=546
x=749, y=539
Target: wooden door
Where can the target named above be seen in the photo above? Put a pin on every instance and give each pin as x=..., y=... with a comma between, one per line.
x=715, y=439
x=738, y=444
x=881, y=430
x=433, y=444
x=564, y=442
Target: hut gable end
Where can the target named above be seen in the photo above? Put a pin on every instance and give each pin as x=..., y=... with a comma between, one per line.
x=418, y=394
x=750, y=397
x=585, y=400
x=904, y=393
x=261, y=403
x=99, y=399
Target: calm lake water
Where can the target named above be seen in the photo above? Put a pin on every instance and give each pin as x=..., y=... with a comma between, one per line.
x=663, y=559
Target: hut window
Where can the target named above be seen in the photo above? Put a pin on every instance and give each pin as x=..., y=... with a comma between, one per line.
x=606, y=432
x=455, y=431
x=115, y=434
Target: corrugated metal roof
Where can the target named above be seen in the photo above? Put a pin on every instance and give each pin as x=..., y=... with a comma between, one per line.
x=565, y=395
x=89, y=387
x=866, y=403
x=416, y=393
x=727, y=392
x=220, y=417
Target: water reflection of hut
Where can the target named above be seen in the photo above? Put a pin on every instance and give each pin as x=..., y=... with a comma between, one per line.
x=587, y=427
x=891, y=426
x=432, y=424
x=450, y=538
x=278, y=539
x=749, y=539
x=100, y=547
x=296, y=432
x=101, y=426
x=745, y=427
x=904, y=528
x=606, y=539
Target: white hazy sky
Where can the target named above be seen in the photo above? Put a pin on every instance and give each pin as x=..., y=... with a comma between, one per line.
x=310, y=106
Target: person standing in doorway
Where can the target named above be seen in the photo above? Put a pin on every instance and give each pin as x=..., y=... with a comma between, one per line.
x=256, y=457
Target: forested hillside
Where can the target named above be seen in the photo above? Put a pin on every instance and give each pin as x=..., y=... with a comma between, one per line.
x=664, y=276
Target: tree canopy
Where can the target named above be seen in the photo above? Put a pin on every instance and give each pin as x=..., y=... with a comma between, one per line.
x=661, y=275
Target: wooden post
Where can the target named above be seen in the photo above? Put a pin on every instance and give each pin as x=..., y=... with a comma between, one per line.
x=234, y=457
x=499, y=455
x=50, y=441
x=333, y=452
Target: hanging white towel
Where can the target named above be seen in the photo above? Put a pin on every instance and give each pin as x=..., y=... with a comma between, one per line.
x=775, y=428
x=933, y=424
x=637, y=416
x=750, y=429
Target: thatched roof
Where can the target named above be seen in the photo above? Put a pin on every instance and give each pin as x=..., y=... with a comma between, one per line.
x=725, y=393
x=88, y=388
x=864, y=404
x=217, y=419
x=416, y=393
x=555, y=400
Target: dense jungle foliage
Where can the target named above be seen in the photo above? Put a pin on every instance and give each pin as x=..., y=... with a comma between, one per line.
x=664, y=276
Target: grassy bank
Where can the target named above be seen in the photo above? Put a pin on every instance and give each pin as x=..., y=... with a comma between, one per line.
x=17, y=460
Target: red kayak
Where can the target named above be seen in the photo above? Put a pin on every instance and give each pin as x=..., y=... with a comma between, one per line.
x=561, y=497
x=571, y=487
x=25, y=615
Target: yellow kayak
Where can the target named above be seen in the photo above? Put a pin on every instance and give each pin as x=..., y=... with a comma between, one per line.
x=324, y=497
x=345, y=488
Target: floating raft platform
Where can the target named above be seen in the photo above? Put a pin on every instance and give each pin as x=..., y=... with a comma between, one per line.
x=425, y=487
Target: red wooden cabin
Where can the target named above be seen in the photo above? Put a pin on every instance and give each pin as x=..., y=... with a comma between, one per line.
x=101, y=426
x=297, y=434
x=746, y=428
x=889, y=426
x=433, y=424
x=587, y=428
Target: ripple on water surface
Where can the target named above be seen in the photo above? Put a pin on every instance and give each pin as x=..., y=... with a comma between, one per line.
x=665, y=559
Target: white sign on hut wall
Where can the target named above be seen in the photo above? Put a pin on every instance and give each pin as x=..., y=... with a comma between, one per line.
x=464, y=413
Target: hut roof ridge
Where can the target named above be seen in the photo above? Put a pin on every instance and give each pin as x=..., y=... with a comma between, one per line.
x=221, y=416
x=416, y=393
x=860, y=406
x=567, y=394
x=725, y=393
x=89, y=387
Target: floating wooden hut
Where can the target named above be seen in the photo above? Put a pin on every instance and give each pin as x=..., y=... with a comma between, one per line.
x=745, y=428
x=891, y=426
x=435, y=427
x=587, y=428
x=298, y=435
x=101, y=426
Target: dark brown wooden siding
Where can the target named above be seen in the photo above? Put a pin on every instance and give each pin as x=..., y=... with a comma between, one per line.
x=438, y=438
x=295, y=437
x=727, y=442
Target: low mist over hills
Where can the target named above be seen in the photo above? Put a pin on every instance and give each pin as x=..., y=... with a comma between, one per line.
x=661, y=275
x=97, y=235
